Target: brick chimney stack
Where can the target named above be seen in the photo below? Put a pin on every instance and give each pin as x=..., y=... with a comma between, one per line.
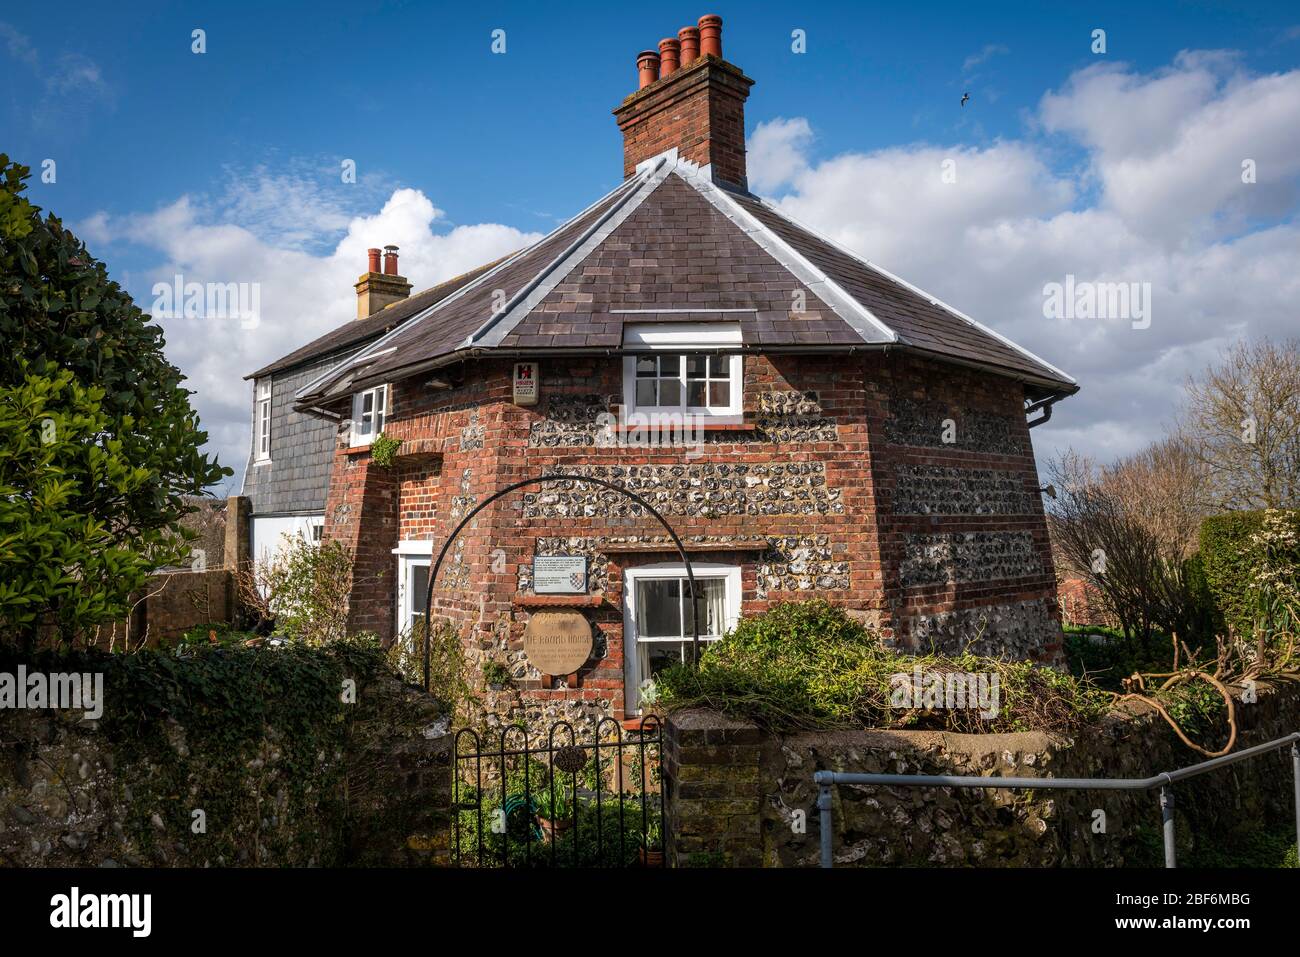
x=377, y=289
x=688, y=97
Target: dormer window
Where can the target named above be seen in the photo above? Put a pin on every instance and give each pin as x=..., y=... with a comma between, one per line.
x=681, y=370
x=368, y=411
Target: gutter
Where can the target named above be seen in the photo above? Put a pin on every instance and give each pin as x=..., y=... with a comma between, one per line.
x=1046, y=406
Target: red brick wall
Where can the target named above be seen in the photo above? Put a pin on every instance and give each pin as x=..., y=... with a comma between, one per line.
x=812, y=479
x=699, y=109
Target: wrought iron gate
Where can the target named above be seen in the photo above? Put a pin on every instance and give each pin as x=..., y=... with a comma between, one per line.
x=559, y=802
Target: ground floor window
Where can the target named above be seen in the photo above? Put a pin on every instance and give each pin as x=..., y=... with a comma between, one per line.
x=658, y=615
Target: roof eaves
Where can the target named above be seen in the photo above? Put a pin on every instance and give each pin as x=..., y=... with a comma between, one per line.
x=935, y=300
x=501, y=324
x=858, y=316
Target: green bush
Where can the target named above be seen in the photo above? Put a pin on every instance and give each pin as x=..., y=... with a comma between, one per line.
x=383, y=450
x=809, y=665
x=101, y=445
x=1108, y=661
x=1228, y=559
x=1232, y=555
x=303, y=589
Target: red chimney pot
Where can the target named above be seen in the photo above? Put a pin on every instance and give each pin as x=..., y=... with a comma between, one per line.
x=689, y=38
x=373, y=256
x=390, y=260
x=711, y=35
x=669, y=56
x=647, y=65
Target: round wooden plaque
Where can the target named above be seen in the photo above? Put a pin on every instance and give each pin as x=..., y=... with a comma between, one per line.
x=558, y=642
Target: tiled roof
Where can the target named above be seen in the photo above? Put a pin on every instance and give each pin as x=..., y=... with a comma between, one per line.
x=355, y=334
x=670, y=245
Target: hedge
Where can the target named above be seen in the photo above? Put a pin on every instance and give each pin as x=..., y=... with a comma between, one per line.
x=1229, y=558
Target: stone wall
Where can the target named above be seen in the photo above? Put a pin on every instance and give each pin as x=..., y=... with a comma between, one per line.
x=965, y=554
x=76, y=793
x=738, y=797
x=203, y=590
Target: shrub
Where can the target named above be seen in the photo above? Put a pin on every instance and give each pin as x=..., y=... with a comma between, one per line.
x=1239, y=551
x=105, y=487
x=809, y=665
x=448, y=670
x=303, y=589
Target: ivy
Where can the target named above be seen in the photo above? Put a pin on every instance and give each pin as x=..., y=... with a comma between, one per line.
x=383, y=450
x=254, y=738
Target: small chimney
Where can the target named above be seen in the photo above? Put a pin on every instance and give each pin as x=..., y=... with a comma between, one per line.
x=376, y=289
x=689, y=38
x=690, y=99
x=647, y=65
x=669, y=56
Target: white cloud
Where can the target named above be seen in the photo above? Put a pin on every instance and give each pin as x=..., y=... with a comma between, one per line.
x=775, y=153
x=1158, y=198
x=251, y=234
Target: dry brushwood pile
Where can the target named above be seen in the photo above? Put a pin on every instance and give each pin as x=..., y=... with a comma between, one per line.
x=1235, y=664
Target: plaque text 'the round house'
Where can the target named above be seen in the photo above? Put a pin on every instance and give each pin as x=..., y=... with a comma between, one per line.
x=558, y=642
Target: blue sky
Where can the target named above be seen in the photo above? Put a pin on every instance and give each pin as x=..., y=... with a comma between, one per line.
x=242, y=145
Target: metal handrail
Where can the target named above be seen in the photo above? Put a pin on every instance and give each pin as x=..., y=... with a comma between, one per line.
x=826, y=781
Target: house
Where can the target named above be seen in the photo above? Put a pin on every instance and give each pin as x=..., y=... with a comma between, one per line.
x=286, y=479
x=808, y=423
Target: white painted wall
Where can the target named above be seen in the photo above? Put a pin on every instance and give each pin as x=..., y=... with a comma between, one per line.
x=268, y=533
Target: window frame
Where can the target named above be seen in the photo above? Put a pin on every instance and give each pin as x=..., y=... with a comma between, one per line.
x=632, y=642
x=262, y=411
x=684, y=340
x=379, y=413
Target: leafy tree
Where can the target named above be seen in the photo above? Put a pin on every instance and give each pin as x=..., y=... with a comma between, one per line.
x=59, y=565
x=58, y=306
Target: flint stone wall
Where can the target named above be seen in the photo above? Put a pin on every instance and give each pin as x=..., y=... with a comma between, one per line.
x=741, y=797
x=1013, y=631
x=702, y=489
x=69, y=794
x=946, y=490
x=961, y=557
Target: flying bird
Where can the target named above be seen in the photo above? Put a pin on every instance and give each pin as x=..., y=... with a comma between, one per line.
x=964, y=98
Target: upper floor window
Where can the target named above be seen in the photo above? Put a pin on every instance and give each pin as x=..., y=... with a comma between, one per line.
x=683, y=369
x=264, y=423
x=368, y=411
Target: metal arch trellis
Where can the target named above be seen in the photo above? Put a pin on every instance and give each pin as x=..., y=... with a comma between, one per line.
x=677, y=542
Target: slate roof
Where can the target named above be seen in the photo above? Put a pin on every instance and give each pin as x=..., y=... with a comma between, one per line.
x=671, y=245
x=354, y=334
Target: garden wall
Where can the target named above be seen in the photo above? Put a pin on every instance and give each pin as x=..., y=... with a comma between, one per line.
x=735, y=794
x=284, y=771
